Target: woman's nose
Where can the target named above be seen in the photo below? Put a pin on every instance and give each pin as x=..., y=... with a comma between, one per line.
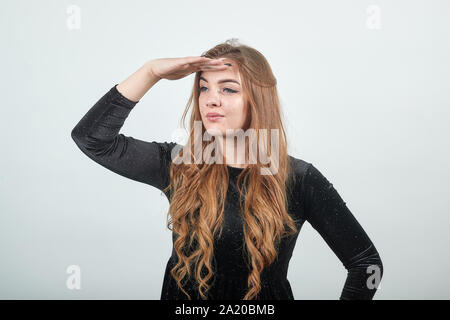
x=213, y=99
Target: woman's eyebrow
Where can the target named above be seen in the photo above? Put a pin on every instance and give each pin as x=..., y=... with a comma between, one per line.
x=221, y=81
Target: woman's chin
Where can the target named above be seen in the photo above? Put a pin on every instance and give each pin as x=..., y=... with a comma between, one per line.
x=215, y=131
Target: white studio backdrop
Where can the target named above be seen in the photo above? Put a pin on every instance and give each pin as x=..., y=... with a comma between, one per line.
x=364, y=87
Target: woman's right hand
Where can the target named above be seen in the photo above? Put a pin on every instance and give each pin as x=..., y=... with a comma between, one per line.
x=177, y=68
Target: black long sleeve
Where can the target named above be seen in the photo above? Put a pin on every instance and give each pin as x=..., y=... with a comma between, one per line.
x=97, y=135
x=329, y=215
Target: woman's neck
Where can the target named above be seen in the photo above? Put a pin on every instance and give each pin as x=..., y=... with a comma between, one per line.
x=234, y=156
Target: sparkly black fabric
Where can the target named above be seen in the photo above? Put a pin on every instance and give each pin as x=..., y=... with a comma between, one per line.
x=312, y=198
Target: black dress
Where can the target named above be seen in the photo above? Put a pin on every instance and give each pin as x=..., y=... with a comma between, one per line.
x=312, y=198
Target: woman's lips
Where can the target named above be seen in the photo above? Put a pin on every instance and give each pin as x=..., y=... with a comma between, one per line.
x=214, y=118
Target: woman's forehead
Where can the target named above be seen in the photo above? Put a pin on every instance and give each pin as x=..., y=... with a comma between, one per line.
x=218, y=75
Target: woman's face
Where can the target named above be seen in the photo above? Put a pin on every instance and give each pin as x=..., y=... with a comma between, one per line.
x=221, y=93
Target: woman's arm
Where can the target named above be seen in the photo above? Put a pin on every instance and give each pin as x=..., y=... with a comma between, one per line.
x=136, y=85
x=328, y=214
x=97, y=134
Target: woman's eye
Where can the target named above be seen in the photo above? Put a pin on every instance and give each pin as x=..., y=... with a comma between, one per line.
x=229, y=90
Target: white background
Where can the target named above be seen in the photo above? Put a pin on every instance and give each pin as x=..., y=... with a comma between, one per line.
x=368, y=106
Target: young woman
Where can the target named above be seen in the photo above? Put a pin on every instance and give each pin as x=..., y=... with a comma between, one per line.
x=234, y=225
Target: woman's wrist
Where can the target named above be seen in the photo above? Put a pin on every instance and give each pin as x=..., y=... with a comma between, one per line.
x=148, y=67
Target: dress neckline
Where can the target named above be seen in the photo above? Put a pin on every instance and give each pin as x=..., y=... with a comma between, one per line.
x=235, y=168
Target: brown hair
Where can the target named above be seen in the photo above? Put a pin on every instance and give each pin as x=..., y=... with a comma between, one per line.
x=198, y=190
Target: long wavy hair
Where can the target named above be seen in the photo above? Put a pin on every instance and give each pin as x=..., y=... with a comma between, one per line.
x=198, y=190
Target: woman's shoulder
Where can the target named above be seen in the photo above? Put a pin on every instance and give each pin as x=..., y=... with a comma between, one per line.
x=308, y=175
x=168, y=149
x=299, y=166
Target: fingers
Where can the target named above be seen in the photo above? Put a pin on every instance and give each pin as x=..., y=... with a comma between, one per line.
x=209, y=68
x=205, y=64
x=207, y=61
x=210, y=63
x=194, y=59
x=219, y=67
